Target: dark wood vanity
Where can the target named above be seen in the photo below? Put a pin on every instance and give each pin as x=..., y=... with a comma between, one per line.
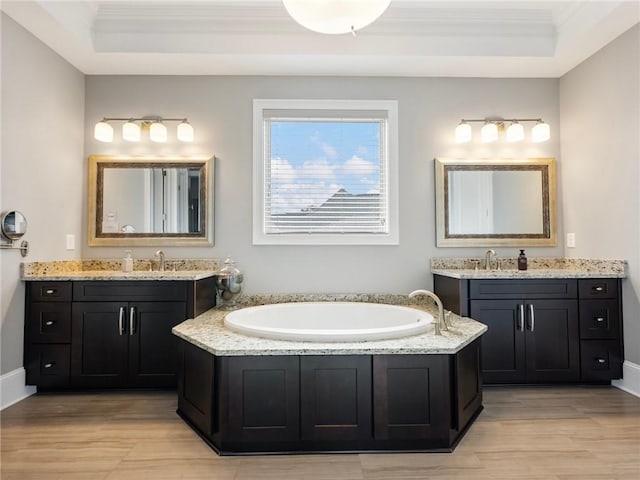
x=555, y=330
x=106, y=333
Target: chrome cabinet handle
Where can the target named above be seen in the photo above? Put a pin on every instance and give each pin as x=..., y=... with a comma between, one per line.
x=600, y=360
x=132, y=320
x=49, y=365
x=521, y=319
x=599, y=319
x=599, y=289
x=50, y=291
x=533, y=317
x=121, y=321
x=48, y=323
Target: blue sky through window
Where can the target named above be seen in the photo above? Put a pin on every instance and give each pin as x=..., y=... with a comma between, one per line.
x=312, y=160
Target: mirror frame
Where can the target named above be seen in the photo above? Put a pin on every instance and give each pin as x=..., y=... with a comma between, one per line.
x=549, y=237
x=6, y=232
x=97, y=163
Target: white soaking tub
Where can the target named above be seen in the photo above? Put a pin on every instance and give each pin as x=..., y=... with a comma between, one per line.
x=329, y=321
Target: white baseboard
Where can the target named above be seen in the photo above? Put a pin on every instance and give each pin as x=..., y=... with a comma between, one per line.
x=13, y=388
x=630, y=378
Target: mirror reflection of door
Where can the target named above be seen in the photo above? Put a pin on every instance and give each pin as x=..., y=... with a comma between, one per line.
x=151, y=200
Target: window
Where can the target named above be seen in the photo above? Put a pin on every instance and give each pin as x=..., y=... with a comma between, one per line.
x=325, y=172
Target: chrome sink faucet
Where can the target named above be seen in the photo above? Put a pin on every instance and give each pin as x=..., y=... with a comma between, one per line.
x=442, y=324
x=487, y=258
x=160, y=254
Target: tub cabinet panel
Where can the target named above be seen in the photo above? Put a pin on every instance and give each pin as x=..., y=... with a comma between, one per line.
x=543, y=331
x=411, y=397
x=113, y=333
x=263, y=398
x=335, y=396
x=299, y=403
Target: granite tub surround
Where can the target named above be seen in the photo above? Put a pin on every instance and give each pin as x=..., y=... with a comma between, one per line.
x=175, y=269
x=207, y=331
x=537, y=268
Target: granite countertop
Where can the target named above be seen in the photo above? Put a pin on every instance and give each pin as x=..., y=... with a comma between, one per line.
x=111, y=270
x=208, y=332
x=464, y=268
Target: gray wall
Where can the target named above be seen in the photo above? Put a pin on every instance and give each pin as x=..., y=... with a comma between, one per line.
x=41, y=165
x=600, y=111
x=220, y=109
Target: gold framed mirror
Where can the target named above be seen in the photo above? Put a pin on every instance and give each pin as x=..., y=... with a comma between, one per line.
x=149, y=201
x=483, y=203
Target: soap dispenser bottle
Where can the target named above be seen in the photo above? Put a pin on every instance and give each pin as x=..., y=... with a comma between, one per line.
x=127, y=262
x=522, y=261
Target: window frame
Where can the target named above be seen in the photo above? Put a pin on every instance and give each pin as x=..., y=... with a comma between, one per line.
x=260, y=149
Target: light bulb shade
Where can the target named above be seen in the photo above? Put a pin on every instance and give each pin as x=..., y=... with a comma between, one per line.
x=540, y=132
x=335, y=16
x=463, y=133
x=515, y=132
x=103, y=132
x=158, y=132
x=489, y=133
x=185, y=132
x=131, y=132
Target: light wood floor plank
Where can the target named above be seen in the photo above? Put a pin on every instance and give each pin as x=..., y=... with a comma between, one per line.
x=524, y=433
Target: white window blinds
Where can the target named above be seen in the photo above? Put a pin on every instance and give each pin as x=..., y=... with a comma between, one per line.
x=324, y=172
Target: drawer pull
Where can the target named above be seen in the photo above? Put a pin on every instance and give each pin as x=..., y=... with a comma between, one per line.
x=49, y=365
x=50, y=291
x=599, y=289
x=600, y=360
x=48, y=323
x=599, y=319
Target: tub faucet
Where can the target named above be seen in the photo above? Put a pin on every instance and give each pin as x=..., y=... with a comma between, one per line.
x=160, y=254
x=442, y=323
x=487, y=259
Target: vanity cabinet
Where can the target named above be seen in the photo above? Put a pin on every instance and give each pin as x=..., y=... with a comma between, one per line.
x=542, y=330
x=297, y=403
x=108, y=333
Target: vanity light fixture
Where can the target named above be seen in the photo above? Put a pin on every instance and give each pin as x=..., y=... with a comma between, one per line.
x=132, y=129
x=335, y=16
x=492, y=128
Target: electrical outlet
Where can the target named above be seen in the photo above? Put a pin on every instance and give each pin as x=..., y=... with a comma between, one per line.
x=571, y=240
x=71, y=241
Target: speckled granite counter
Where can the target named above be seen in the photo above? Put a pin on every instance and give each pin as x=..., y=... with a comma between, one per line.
x=111, y=270
x=538, y=268
x=208, y=332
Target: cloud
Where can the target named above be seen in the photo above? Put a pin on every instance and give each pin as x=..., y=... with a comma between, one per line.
x=282, y=171
x=296, y=197
x=358, y=166
x=329, y=150
x=319, y=169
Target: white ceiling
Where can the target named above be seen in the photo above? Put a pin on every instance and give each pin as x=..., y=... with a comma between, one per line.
x=508, y=38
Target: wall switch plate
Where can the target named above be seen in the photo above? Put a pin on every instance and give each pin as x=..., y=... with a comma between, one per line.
x=571, y=240
x=71, y=242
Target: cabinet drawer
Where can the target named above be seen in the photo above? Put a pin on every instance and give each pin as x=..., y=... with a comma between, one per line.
x=599, y=319
x=49, y=291
x=49, y=322
x=49, y=365
x=601, y=360
x=598, y=288
x=514, y=288
x=138, y=291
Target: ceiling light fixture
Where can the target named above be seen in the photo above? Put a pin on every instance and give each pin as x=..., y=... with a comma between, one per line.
x=132, y=128
x=492, y=129
x=335, y=16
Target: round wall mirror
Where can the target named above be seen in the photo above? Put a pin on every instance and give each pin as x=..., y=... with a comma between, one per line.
x=14, y=225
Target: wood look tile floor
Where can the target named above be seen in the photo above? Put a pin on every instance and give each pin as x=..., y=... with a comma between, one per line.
x=524, y=433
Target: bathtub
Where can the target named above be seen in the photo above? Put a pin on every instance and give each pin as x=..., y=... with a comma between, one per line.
x=329, y=321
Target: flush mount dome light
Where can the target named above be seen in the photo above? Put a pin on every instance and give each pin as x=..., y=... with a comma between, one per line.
x=335, y=16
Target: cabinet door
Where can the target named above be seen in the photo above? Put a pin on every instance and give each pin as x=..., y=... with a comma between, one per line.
x=263, y=396
x=503, y=345
x=411, y=398
x=335, y=396
x=99, y=344
x=552, y=341
x=153, y=349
